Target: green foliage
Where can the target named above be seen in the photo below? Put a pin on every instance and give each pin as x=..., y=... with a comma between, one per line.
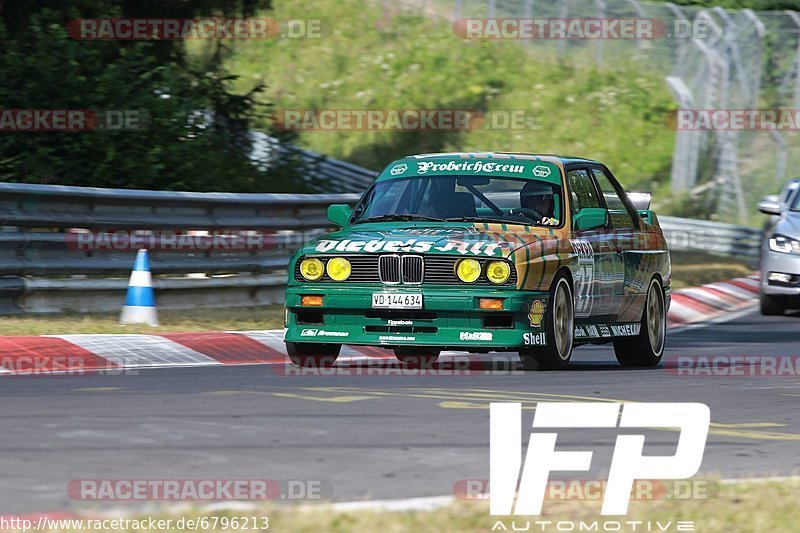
x=374, y=58
x=195, y=131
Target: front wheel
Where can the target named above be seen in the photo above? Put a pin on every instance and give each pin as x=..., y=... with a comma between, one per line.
x=647, y=348
x=560, y=328
x=312, y=355
x=417, y=357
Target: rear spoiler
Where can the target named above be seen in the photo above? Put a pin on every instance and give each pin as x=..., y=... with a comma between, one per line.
x=641, y=201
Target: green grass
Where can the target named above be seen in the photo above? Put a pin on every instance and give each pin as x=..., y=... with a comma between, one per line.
x=368, y=58
x=738, y=508
x=232, y=319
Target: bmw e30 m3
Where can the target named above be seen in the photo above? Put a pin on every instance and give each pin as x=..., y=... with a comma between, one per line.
x=484, y=253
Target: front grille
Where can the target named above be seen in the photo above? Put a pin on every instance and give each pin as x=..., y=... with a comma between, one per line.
x=413, y=269
x=391, y=269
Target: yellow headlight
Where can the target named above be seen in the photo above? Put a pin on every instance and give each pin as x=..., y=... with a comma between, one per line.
x=468, y=270
x=498, y=272
x=311, y=269
x=338, y=269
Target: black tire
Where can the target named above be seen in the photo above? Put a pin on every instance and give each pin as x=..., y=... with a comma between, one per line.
x=771, y=305
x=647, y=348
x=417, y=357
x=312, y=355
x=560, y=328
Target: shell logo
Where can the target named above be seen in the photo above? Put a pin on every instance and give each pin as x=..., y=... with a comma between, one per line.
x=536, y=313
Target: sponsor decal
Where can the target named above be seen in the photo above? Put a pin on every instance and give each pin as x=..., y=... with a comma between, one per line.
x=398, y=169
x=401, y=322
x=436, y=232
x=541, y=171
x=391, y=338
x=626, y=330
x=536, y=313
x=410, y=245
x=323, y=333
x=514, y=495
x=596, y=331
x=584, y=277
x=476, y=336
x=473, y=166
x=535, y=339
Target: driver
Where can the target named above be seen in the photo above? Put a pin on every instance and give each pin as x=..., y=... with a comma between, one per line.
x=538, y=197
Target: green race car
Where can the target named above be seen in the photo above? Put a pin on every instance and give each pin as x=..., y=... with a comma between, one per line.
x=484, y=252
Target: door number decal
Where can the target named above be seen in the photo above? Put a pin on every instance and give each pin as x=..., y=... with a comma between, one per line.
x=584, y=277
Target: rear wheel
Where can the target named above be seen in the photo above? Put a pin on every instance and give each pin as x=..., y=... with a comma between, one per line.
x=417, y=357
x=311, y=355
x=771, y=305
x=560, y=328
x=647, y=348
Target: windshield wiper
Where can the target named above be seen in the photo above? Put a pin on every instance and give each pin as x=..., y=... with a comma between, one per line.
x=485, y=219
x=405, y=217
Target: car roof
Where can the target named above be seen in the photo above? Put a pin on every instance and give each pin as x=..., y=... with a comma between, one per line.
x=564, y=160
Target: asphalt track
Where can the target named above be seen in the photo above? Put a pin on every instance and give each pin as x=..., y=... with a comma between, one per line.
x=372, y=436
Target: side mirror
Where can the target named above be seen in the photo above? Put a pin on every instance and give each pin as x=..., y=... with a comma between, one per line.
x=340, y=214
x=769, y=208
x=640, y=200
x=591, y=218
x=647, y=215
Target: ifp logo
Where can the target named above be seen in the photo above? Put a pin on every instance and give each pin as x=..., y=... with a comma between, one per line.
x=506, y=470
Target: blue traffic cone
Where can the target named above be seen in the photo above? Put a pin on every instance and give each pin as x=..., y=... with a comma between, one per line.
x=140, y=302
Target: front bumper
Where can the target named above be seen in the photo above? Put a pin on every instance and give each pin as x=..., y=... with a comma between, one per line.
x=450, y=318
x=775, y=262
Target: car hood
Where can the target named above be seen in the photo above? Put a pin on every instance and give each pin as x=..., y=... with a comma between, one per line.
x=479, y=240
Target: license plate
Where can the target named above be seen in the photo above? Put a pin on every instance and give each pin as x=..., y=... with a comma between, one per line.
x=391, y=300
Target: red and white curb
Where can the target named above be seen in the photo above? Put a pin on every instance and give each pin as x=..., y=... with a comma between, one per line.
x=58, y=354
x=701, y=304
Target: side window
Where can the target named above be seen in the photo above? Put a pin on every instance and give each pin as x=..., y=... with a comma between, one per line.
x=582, y=190
x=617, y=211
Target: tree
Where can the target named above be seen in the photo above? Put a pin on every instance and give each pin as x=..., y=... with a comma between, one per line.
x=191, y=132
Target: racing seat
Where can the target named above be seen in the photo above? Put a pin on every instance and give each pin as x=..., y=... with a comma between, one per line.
x=456, y=204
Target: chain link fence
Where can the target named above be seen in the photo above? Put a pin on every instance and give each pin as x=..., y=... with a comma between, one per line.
x=710, y=58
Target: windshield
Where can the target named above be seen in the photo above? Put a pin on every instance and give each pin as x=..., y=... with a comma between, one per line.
x=796, y=201
x=463, y=198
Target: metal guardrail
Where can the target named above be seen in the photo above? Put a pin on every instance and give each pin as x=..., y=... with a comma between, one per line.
x=686, y=234
x=71, y=248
